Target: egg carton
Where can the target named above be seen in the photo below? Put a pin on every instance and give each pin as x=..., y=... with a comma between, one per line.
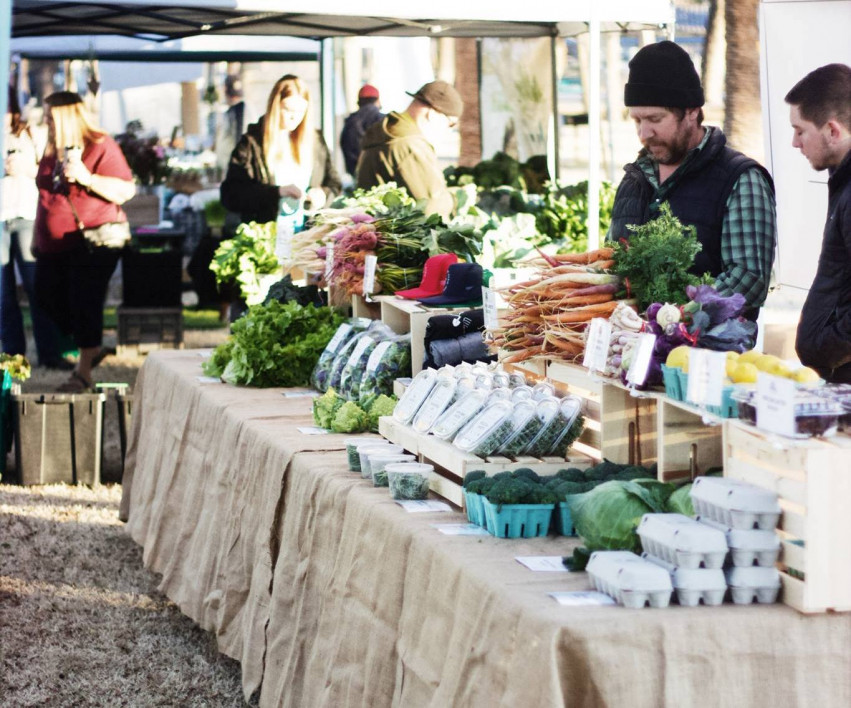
x=691, y=585
x=735, y=504
x=629, y=579
x=747, y=584
x=748, y=546
x=682, y=541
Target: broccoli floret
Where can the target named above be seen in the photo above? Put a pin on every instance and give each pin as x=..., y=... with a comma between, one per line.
x=566, y=489
x=549, y=480
x=542, y=495
x=633, y=472
x=350, y=418
x=602, y=471
x=481, y=486
x=526, y=473
x=473, y=476
x=325, y=407
x=571, y=474
x=502, y=475
x=383, y=405
x=510, y=491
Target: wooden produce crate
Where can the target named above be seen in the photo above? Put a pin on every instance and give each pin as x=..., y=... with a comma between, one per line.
x=813, y=482
x=147, y=328
x=618, y=426
x=361, y=307
x=689, y=440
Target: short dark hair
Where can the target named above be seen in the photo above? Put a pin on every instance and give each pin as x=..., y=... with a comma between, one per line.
x=823, y=94
x=367, y=100
x=680, y=113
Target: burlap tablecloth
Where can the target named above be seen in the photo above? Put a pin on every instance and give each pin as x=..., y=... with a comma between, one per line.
x=330, y=594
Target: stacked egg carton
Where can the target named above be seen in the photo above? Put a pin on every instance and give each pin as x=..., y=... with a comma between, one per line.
x=692, y=553
x=629, y=579
x=747, y=516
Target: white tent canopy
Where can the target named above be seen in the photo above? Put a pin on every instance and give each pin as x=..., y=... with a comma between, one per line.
x=175, y=19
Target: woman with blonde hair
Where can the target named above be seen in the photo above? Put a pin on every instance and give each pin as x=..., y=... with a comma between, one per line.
x=281, y=163
x=82, y=178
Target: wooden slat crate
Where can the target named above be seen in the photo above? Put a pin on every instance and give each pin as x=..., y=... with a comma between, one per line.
x=362, y=307
x=690, y=440
x=813, y=480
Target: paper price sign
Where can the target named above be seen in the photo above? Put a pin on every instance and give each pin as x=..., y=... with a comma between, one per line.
x=489, y=307
x=597, y=344
x=775, y=404
x=637, y=373
x=329, y=262
x=706, y=372
x=369, y=274
x=284, y=240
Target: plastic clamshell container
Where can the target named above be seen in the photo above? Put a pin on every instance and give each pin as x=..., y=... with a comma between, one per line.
x=414, y=396
x=409, y=480
x=631, y=580
x=542, y=390
x=815, y=415
x=438, y=400
x=463, y=369
x=569, y=410
x=352, y=450
x=517, y=380
x=748, y=546
x=682, y=541
x=747, y=584
x=694, y=584
x=736, y=504
x=484, y=381
x=487, y=431
x=377, y=463
x=498, y=394
x=365, y=452
x=501, y=379
x=459, y=414
x=547, y=411
x=520, y=393
x=523, y=420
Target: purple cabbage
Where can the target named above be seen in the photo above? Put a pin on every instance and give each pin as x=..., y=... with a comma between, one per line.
x=720, y=308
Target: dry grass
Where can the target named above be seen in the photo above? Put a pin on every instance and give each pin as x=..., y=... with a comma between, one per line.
x=81, y=620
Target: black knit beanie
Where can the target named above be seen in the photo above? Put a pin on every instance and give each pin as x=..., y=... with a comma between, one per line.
x=663, y=74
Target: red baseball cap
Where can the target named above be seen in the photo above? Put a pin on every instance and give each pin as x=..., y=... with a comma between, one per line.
x=434, y=277
x=368, y=91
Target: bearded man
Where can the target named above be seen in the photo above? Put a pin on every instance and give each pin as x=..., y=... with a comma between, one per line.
x=727, y=196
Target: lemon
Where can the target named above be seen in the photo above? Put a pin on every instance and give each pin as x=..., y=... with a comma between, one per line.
x=806, y=375
x=731, y=366
x=678, y=358
x=744, y=373
x=749, y=356
x=765, y=362
x=733, y=356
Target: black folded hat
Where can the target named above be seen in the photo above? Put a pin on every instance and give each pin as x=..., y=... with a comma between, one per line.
x=463, y=285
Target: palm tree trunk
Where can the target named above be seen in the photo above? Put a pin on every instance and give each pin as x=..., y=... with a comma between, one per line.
x=467, y=83
x=713, y=55
x=743, y=111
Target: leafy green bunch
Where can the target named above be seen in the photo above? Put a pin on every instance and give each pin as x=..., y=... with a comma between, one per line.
x=654, y=262
x=274, y=345
x=242, y=259
x=562, y=217
x=333, y=412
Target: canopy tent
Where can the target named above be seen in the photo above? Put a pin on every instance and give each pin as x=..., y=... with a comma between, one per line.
x=177, y=19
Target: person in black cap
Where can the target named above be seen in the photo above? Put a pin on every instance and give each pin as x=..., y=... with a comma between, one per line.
x=726, y=195
x=357, y=123
x=400, y=148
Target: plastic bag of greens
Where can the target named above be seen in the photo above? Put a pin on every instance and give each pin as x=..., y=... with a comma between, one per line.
x=390, y=360
x=352, y=371
x=322, y=370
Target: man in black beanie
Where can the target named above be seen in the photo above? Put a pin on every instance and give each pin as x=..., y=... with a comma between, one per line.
x=726, y=195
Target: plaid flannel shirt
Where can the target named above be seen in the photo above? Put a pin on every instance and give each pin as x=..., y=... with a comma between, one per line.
x=748, y=233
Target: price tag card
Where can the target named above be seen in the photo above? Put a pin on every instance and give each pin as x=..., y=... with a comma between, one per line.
x=461, y=529
x=418, y=507
x=329, y=262
x=706, y=372
x=208, y=379
x=369, y=274
x=490, y=308
x=542, y=564
x=284, y=240
x=301, y=394
x=582, y=599
x=597, y=344
x=312, y=430
x=637, y=373
x=775, y=404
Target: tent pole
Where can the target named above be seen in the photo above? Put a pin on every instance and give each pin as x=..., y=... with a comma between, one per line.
x=6, y=34
x=594, y=132
x=327, y=89
x=556, y=116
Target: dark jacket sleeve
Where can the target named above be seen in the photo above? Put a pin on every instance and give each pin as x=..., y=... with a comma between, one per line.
x=325, y=175
x=243, y=191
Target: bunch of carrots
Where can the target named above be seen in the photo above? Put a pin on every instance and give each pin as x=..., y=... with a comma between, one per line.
x=549, y=313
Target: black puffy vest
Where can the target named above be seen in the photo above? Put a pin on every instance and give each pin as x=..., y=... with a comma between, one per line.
x=698, y=198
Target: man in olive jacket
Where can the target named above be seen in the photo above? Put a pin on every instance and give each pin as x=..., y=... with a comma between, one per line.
x=400, y=148
x=820, y=112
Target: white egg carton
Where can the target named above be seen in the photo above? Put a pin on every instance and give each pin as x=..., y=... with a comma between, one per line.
x=629, y=579
x=748, y=546
x=692, y=585
x=682, y=541
x=748, y=583
x=735, y=504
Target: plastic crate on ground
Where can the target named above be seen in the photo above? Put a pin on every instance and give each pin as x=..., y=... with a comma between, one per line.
x=145, y=329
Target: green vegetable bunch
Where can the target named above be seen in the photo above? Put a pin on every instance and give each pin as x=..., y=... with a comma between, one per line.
x=654, y=261
x=274, y=345
x=242, y=259
x=17, y=365
x=562, y=217
x=333, y=412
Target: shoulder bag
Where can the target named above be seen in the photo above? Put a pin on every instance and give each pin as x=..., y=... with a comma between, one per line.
x=112, y=234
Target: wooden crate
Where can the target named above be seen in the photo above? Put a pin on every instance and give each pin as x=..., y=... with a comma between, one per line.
x=690, y=440
x=813, y=482
x=619, y=426
x=361, y=307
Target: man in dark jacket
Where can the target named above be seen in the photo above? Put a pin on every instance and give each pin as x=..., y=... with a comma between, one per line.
x=821, y=120
x=727, y=196
x=400, y=148
x=367, y=114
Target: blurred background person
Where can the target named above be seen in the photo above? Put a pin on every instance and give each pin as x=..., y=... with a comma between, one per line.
x=84, y=166
x=233, y=121
x=367, y=114
x=24, y=148
x=281, y=162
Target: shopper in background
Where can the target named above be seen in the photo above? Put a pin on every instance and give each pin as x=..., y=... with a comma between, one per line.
x=82, y=166
x=820, y=111
x=20, y=199
x=281, y=162
x=357, y=123
x=233, y=120
x=400, y=148
x=726, y=195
